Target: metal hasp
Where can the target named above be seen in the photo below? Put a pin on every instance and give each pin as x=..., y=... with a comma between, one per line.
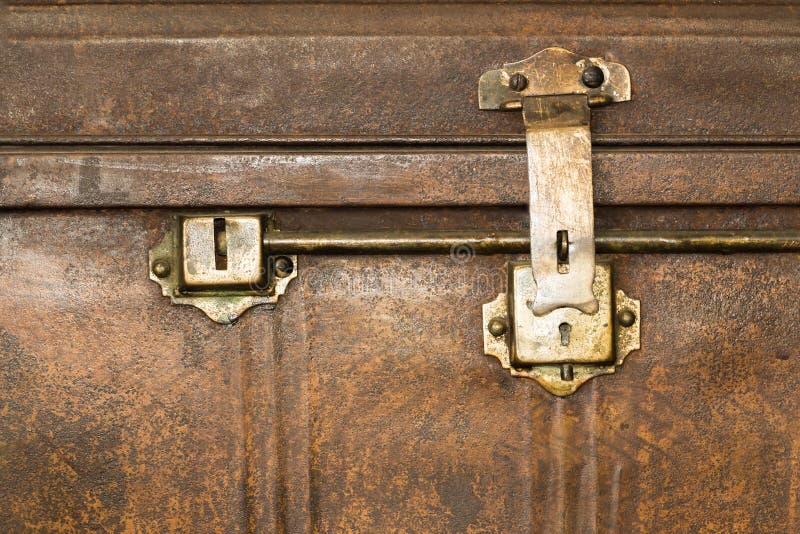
x=559, y=310
x=217, y=263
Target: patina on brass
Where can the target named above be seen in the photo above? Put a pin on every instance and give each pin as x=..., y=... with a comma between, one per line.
x=555, y=105
x=518, y=242
x=223, y=268
x=208, y=241
x=565, y=348
x=553, y=71
x=565, y=335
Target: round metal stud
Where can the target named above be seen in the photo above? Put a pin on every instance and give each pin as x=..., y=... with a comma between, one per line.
x=497, y=327
x=283, y=267
x=518, y=82
x=593, y=77
x=161, y=268
x=626, y=318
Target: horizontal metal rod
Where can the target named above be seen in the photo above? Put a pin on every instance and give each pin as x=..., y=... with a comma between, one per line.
x=518, y=242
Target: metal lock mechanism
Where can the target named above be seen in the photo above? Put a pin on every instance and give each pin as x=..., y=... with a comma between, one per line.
x=560, y=322
x=217, y=263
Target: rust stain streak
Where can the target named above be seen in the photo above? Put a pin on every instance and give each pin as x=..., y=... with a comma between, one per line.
x=249, y=433
x=586, y=502
x=293, y=484
x=555, y=503
x=614, y=504
x=532, y=440
x=792, y=521
x=278, y=485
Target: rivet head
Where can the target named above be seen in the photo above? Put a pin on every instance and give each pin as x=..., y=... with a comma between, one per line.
x=283, y=267
x=518, y=82
x=497, y=327
x=626, y=317
x=593, y=77
x=161, y=268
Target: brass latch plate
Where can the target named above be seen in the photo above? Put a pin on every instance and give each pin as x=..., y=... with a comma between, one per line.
x=217, y=262
x=565, y=348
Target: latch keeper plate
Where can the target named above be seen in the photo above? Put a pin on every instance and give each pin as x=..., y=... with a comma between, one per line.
x=185, y=265
x=532, y=346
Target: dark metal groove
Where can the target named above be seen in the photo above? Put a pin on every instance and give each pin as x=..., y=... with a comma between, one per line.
x=386, y=140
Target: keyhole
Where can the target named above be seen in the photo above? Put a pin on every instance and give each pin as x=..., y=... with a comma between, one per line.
x=564, y=329
x=220, y=245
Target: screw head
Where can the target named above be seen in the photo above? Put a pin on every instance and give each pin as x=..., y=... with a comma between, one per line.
x=626, y=317
x=283, y=267
x=593, y=77
x=161, y=268
x=497, y=327
x=518, y=82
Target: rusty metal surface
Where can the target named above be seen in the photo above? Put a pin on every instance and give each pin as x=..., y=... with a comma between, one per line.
x=123, y=412
x=137, y=72
x=169, y=2
x=365, y=400
x=115, y=413
x=379, y=177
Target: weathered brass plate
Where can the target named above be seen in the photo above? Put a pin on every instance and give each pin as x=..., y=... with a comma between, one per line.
x=553, y=71
x=533, y=346
x=565, y=335
x=183, y=264
x=244, y=261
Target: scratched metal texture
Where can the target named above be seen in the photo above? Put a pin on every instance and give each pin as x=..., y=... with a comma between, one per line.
x=204, y=178
x=385, y=72
x=364, y=403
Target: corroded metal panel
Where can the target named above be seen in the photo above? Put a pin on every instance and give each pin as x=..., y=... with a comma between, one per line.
x=122, y=411
x=386, y=73
x=180, y=177
x=365, y=400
